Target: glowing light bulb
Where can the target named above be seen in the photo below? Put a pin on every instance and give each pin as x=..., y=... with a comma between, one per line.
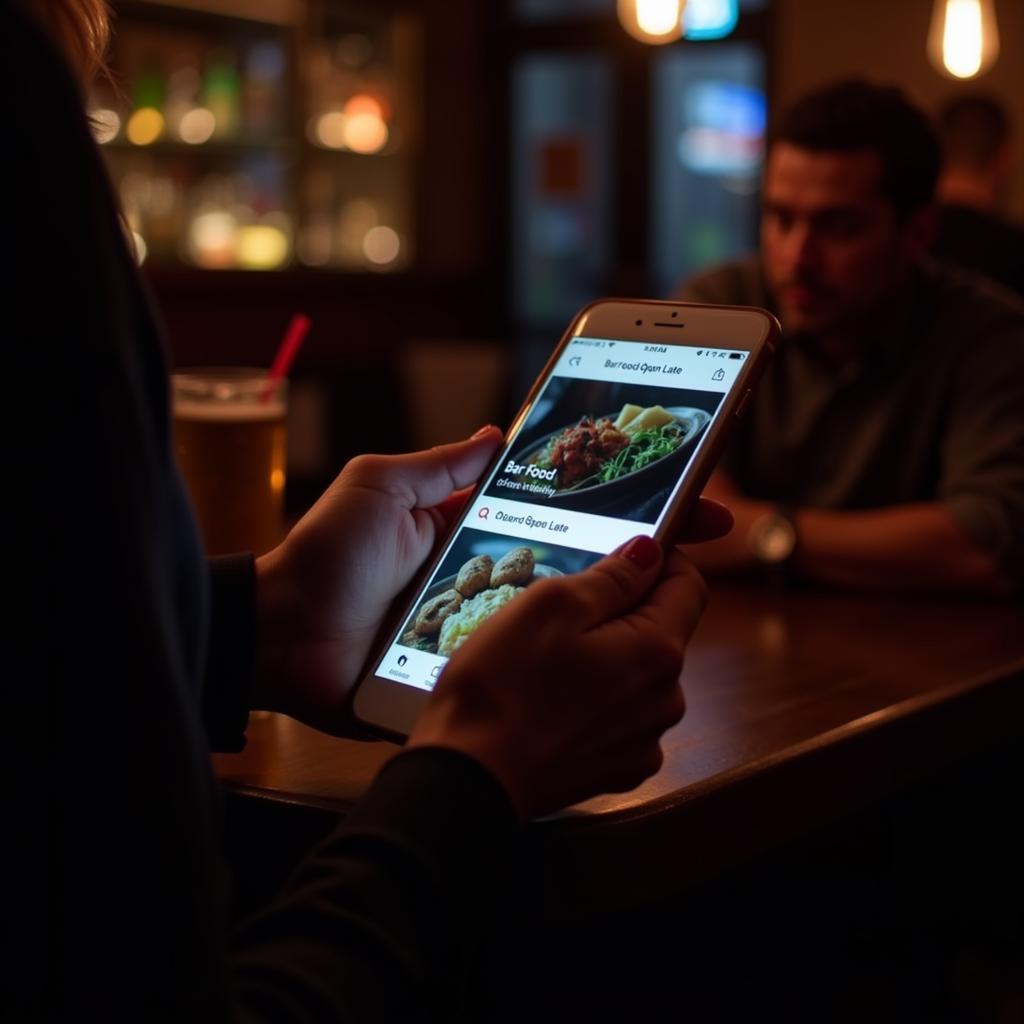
x=145, y=126
x=963, y=41
x=652, y=21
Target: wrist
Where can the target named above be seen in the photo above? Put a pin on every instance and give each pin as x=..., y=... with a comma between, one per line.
x=773, y=540
x=445, y=725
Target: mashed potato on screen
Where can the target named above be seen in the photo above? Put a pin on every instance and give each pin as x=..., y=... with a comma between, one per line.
x=458, y=626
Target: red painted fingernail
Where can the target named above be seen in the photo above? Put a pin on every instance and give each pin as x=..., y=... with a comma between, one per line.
x=643, y=552
x=481, y=432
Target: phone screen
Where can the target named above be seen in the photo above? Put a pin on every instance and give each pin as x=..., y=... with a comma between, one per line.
x=598, y=458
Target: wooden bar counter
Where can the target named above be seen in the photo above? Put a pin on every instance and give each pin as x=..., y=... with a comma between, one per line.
x=803, y=706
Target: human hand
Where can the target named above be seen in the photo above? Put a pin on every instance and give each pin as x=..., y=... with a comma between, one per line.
x=322, y=595
x=566, y=692
x=731, y=553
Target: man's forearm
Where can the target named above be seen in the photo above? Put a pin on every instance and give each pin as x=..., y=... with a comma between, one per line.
x=904, y=547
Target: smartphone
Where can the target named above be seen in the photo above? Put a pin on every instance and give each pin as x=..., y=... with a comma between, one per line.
x=617, y=437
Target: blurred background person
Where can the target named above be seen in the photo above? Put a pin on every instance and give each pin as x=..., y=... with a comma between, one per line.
x=976, y=169
x=885, y=447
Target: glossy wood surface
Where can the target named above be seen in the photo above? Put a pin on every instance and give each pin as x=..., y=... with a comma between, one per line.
x=801, y=706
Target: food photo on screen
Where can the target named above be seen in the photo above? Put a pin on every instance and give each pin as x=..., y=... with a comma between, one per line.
x=481, y=574
x=604, y=447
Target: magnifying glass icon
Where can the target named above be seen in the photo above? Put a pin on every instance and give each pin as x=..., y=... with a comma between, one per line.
x=484, y=512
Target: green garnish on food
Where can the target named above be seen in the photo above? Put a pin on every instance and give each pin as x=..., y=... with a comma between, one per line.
x=645, y=447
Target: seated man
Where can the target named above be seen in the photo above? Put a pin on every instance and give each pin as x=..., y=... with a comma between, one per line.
x=885, y=447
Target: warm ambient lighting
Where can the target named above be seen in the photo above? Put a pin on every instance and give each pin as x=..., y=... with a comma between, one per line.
x=211, y=239
x=365, y=133
x=330, y=130
x=261, y=247
x=197, y=126
x=359, y=126
x=963, y=41
x=652, y=21
x=361, y=103
x=145, y=126
x=381, y=245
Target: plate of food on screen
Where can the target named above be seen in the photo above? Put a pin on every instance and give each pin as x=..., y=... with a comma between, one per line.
x=602, y=455
x=454, y=606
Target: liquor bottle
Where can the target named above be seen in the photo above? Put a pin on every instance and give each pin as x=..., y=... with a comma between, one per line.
x=222, y=94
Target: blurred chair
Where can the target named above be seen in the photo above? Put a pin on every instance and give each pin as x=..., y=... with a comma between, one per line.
x=452, y=388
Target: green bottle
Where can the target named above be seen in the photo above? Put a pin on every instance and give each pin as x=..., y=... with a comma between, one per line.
x=222, y=94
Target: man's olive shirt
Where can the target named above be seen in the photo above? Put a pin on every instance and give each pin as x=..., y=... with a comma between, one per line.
x=932, y=409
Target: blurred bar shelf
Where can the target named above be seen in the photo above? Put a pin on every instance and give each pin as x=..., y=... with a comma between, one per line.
x=265, y=135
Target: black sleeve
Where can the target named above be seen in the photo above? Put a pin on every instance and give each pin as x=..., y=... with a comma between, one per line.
x=381, y=920
x=380, y=923
x=231, y=651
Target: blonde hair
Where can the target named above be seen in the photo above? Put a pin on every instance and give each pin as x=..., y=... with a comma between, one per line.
x=81, y=28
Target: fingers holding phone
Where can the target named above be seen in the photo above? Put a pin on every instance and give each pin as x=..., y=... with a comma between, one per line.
x=567, y=693
x=618, y=436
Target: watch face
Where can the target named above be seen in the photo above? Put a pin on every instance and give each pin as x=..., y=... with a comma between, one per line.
x=774, y=539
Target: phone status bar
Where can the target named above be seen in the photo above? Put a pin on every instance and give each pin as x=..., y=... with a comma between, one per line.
x=717, y=353
x=704, y=353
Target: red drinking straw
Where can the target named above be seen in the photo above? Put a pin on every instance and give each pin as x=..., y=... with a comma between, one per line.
x=286, y=353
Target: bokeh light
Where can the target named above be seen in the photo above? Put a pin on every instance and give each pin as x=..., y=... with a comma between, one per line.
x=106, y=123
x=381, y=245
x=145, y=126
x=331, y=129
x=365, y=133
x=211, y=239
x=361, y=103
x=261, y=247
x=197, y=126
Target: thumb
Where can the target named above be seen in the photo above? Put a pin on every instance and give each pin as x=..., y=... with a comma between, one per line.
x=617, y=583
x=425, y=479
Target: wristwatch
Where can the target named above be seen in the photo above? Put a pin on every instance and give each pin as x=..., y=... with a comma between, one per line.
x=773, y=540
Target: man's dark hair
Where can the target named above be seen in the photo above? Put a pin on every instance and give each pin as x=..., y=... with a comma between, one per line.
x=973, y=130
x=857, y=115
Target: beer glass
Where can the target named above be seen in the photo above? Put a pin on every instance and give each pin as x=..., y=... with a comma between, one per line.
x=229, y=437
